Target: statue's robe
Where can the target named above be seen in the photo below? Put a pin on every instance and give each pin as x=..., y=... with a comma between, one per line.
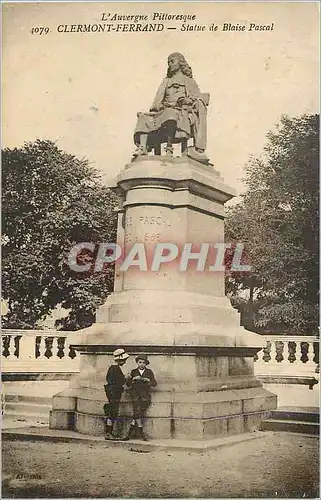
x=190, y=119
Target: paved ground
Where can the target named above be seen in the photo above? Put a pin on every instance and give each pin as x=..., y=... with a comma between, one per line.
x=276, y=465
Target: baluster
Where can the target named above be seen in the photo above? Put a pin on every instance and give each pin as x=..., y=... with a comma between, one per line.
x=286, y=352
x=279, y=351
x=258, y=358
x=55, y=347
x=48, y=351
x=5, y=345
x=316, y=352
x=310, y=354
x=291, y=348
x=61, y=347
x=304, y=346
x=17, y=345
x=27, y=347
x=297, y=354
x=316, y=356
x=266, y=352
x=273, y=352
x=42, y=347
x=12, y=346
x=72, y=353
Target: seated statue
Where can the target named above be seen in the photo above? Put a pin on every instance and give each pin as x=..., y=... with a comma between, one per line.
x=177, y=114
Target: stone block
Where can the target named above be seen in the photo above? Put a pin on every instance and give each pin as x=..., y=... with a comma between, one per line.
x=252, y=422
x=62, y=420
x=261, y=401
x=240, y=366
x=86, y=423
x=64, y=403
x=159, y=410
x=212, y=366
x=222, y=408
x=94, y=406
x=188, y=428
x=158, y=428
x=215, y=427
x=188, y=410
x=235, y=425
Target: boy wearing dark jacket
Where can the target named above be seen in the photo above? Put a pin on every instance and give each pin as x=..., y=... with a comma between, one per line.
x=140, y=382
x=114, y=387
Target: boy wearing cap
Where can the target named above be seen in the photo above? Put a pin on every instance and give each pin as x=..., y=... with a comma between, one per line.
x=140, y=382
x=114, y=387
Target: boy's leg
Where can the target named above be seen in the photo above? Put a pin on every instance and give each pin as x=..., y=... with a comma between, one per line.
x=132, y=426
x=113, y=410
x=131, y=430
x=143, y=405
x=108, y=421
x=141, y=434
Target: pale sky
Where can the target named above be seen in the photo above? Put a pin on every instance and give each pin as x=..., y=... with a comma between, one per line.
x=83, y=90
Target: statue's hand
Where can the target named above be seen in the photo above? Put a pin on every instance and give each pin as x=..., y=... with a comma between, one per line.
x=184, y=100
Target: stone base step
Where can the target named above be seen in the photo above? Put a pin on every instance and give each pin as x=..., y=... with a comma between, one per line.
x=296, y=414
x=308, y=380
x=64, y=436
x=301, y=427
x=13, y=398
x=25, y=407
x=30, y=416
x=33, y=390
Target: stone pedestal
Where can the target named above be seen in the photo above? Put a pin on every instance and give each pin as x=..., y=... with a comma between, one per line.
x=201, y=357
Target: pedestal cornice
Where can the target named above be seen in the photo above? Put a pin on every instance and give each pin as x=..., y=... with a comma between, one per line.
x=176, y=174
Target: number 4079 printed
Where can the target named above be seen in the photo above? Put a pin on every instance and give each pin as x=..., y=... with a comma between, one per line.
x=39, y=30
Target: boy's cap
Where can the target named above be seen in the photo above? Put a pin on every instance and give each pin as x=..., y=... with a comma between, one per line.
x=143, y=357
x=120, y=354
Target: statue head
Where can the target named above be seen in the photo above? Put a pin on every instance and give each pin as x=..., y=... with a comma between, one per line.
x=177, y=61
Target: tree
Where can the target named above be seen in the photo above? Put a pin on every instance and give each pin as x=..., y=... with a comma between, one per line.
x=51, y=201
x=277, y=219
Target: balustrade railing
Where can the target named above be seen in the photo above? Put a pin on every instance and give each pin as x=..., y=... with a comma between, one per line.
x=37, y=351
x=50, y=351
x=288, y=355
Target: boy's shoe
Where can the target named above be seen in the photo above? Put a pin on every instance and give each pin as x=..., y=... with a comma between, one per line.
x=109, y=437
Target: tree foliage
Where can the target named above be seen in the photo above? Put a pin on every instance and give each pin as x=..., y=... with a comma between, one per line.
x=278, y=220
x=51, y=201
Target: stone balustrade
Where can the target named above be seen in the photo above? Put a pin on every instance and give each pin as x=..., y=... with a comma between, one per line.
x=48, y=351
x=38, y=351
x=288, y=355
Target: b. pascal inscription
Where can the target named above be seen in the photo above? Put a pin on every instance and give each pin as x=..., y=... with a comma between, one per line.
x=147, y=237
x=152, y=237
x=154, y=223
x=152, y=220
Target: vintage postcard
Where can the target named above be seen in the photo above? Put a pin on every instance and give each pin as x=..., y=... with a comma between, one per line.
x=160, y=249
